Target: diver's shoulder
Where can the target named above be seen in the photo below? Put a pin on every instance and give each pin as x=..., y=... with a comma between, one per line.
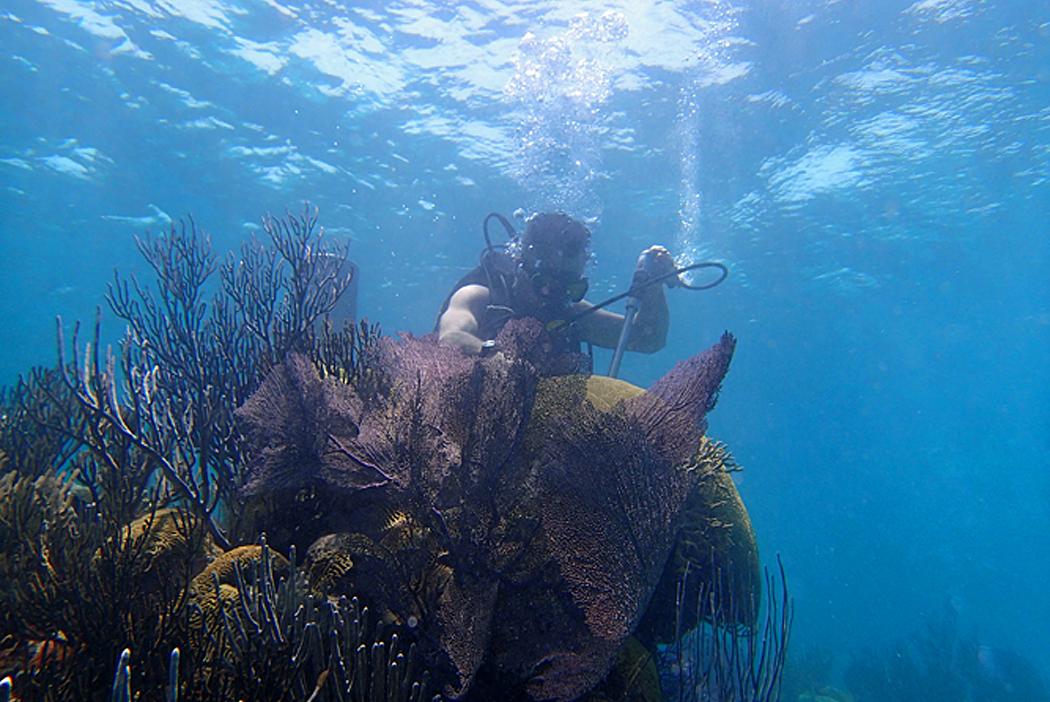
x=470, y=295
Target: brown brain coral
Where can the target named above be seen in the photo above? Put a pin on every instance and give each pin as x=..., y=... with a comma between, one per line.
x=216, y=587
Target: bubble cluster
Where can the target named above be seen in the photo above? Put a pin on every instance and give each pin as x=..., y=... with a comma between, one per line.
x=717, y=50
x=607, y=27
x=560, y=85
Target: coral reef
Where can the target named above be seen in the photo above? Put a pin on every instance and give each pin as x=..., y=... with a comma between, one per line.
x=276, y=641
x=525, y=497
x=189, y=361
x=515, y=532
x=273, y=639
x=121, y=473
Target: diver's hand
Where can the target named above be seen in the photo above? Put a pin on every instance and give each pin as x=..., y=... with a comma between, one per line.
x=654, y=262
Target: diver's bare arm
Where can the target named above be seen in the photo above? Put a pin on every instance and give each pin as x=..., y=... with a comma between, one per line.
x=601, y=328
x=459, y=324
x=649, y=333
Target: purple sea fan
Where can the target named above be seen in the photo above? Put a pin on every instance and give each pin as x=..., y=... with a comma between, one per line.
x=552, y=501
x=299, y=426
x=609, y=485
x=674, y=409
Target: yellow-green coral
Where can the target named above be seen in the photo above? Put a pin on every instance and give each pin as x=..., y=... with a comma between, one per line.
x=328, y=567
x=207, y=604
x=605, y=393
x=225, y=566
x=28, y=509
x=174, y=545
x=716, y=543
x=400, y=575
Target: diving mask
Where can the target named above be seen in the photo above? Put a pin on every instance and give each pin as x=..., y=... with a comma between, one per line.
x=551, y=286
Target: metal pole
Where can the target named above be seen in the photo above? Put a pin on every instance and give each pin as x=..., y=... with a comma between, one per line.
x=625, y=335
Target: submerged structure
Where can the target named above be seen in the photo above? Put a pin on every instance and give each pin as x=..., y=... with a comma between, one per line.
x=514, y=534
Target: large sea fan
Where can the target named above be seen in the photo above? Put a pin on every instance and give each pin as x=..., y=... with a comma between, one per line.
x=550, y=505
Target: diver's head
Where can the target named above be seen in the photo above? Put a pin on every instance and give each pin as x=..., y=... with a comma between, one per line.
x=552, y=256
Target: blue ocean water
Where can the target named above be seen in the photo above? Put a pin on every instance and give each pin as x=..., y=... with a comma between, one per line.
x=876, y=175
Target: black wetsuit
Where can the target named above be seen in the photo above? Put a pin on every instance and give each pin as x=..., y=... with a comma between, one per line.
x=503, y=305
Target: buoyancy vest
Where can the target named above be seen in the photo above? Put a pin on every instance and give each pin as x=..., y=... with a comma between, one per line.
x=496, y=273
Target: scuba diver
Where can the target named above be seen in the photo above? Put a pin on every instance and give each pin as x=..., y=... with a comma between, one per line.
x=541, y=275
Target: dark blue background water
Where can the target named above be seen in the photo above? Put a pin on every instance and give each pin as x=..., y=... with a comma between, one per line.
x=875, y=173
